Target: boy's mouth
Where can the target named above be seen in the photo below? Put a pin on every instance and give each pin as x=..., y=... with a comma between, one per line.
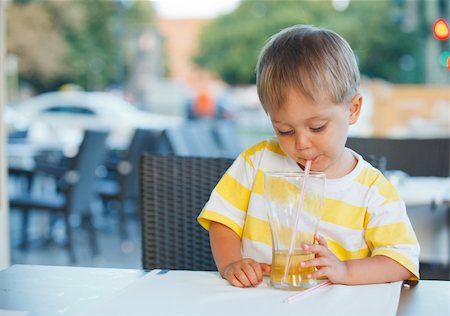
x=301, y=161
x=302, y=164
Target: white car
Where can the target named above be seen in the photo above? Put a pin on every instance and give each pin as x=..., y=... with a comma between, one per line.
x=14, y=122
x=59, y=118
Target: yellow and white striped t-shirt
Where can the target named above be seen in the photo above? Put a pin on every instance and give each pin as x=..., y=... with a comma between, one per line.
x=363, y=215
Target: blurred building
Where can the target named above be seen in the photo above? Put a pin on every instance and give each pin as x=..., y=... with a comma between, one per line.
x=403, y=111
x=181, y=38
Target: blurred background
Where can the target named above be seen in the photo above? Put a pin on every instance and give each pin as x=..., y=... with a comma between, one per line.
x=184, y=72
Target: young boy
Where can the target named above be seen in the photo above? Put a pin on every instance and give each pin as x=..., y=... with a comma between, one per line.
x=307, y=81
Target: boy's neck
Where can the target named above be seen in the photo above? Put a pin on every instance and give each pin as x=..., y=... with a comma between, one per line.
x=345, y=165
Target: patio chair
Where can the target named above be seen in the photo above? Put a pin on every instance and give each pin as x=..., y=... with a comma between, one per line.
x=415, y=156
x=227, y=137
x=192, y=139
x=174, y=189
x=75, y=191
x=124, y=186
x=378, y=162
x=174, y=142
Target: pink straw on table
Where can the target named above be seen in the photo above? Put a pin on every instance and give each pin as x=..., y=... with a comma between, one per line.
x=297, y=218
x=292, y=298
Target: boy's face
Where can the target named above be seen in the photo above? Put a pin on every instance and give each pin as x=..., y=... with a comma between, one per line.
x=317, y=131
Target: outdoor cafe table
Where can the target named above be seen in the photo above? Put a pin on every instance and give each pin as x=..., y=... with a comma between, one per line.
x=52, y=290
x=416, y=191
x=427, y=194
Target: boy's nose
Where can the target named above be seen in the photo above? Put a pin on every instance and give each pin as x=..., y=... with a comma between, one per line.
x=302, y=142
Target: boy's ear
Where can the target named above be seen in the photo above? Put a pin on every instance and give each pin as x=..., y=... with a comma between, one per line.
x=354, y=109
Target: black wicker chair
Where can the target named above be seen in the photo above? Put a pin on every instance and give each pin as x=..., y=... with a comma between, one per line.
x=174, y=189
x=415, y=156
x=124, y=186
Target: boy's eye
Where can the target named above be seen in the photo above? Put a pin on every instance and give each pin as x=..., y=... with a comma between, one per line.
x=285, y=132
x=318, y=129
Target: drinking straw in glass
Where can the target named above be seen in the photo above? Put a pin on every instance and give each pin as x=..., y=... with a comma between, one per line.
x=305, y=292
x=297, y=218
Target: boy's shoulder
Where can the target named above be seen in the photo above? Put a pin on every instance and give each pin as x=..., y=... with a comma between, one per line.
x=380, y=189
x=267, y=144
x=257, y=154
x=363, y=173
x=370, y=176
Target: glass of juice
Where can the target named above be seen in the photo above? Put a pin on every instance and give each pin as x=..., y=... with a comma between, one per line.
x=294, y=219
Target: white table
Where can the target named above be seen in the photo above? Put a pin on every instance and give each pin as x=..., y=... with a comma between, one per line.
x=427, y=202
x=424, y=190
x=50, y=290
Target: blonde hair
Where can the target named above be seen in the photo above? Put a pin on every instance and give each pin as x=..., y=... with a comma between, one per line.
x=311, y=60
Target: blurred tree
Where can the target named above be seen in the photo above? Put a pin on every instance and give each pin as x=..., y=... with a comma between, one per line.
x=73, y=41
x=37, y=44
x=383, y=46
x=230, y=44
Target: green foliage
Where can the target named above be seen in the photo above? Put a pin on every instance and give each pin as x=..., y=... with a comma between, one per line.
x=91, y=43
x=93, y=32
x=230, y=45
x=378, y=40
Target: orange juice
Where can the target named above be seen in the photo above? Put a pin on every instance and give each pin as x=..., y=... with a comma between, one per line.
x=297, y=276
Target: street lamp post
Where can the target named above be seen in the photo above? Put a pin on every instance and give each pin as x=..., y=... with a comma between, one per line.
x=4, y=207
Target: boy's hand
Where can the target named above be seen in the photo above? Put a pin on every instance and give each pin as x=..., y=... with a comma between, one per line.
x=325, y=261
x=245, y=272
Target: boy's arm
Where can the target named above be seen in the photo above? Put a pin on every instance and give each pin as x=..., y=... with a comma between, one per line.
x=226, y=248
x=225, y=245
x=376, y=269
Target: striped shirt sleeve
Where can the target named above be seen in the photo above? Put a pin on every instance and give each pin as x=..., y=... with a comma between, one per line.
x=389, y=231
x=229, y=200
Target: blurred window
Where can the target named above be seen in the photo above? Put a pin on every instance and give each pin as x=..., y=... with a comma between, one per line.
x=71, y=109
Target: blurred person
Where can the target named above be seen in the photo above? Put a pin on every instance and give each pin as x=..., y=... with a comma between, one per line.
x=202, y=106
x=307, y=80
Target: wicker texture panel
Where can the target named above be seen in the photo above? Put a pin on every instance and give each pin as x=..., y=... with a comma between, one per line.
x=415, y=156
x=174, y=189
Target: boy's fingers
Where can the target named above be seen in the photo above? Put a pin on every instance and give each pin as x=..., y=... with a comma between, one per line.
x=317, y=249
x=316, y=262
x=322, y=241
x=319, y=273
x=231, y=275
x=252, y=274
x=248, y=274
x=242, y=278
x=257, y=270
x=235, y=282
x=266, y=268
